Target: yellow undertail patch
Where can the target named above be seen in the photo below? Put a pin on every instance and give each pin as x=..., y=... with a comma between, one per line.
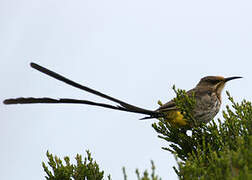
x=175, y=118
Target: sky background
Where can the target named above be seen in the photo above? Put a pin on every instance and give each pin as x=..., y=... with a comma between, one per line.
x=134, y=50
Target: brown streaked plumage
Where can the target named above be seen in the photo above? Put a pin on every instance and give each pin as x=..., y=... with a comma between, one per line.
x=207, y=95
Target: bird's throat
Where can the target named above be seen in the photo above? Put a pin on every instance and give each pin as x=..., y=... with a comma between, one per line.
x=219, y=88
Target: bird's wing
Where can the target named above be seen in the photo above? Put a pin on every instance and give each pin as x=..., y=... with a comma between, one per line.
x=167, y=107
x=170, y=105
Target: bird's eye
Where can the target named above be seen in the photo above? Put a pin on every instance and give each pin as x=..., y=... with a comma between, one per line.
x=209, y=93
x=214, y=81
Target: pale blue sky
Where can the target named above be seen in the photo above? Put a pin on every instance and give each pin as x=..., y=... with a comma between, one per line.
x=134, y=50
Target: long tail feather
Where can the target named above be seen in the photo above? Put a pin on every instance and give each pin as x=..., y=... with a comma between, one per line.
x=85, y=88
x=32, y=100
x=123, y=105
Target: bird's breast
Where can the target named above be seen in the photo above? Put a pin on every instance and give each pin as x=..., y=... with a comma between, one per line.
x=207, y=106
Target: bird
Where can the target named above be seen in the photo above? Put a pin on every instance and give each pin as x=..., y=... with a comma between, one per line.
x=207, y=94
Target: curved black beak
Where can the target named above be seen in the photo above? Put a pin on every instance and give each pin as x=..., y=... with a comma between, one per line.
x=231, y=78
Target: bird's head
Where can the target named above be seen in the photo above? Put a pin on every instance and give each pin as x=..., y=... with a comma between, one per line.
x=215, y=82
